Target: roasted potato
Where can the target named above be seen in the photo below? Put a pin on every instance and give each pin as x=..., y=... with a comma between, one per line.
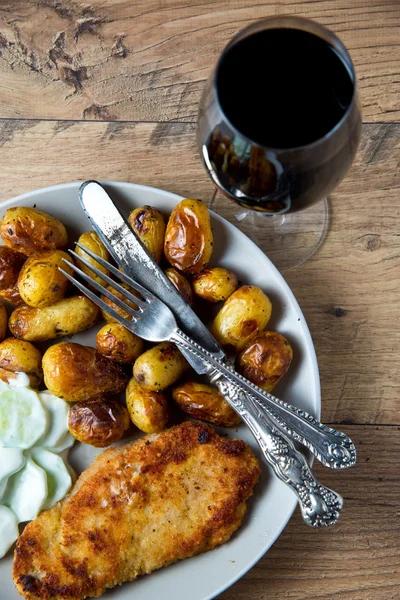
x=204, y=402
x=18, y=356
x=118, y=344
x=147, y=410
x=10, y=265
x=159, y=367
x=3, y=321
x=265, y=359
x=188, y=238
x=245, y=313
x=181, y=283
x=148, y=224
x=98, y=422
x=76, y=373
x=65, y=317
x=91, y=240
x=215, y=285
x=11, y=295
x=40, y=283
x=28, y=230
x=119, y=310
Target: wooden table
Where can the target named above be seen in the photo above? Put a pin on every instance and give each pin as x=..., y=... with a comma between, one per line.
x=110, y=90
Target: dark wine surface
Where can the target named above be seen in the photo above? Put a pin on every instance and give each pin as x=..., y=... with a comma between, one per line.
x=283, y=88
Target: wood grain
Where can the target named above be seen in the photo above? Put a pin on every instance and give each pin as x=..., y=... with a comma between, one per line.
x=147, y=60
x=358, y=559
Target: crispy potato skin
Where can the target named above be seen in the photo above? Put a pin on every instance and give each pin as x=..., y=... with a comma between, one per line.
x=119, y=310
x=18, y=356
x=148, y=224
x=159, y=367
x=10, y=265
x=98, y=422
x=265, y=359
x=245, y=313
x=215, y=285
x=28, y=230
x=66, y=317
x=76, y=373
x=204, y=402
x=11, y=295
x=188, y=238
x=91, y=240
x=118, y=344
x=3, y=321
x=40, y=283
x=181, y=283
x=147, y=410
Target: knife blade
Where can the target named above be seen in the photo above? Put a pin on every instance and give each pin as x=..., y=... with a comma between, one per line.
x=129, y=252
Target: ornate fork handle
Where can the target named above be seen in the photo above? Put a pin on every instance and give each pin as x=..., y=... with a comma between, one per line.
x=319, y=505
x=333, y=448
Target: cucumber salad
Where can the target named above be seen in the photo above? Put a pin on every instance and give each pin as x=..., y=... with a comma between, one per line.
x=34, y=441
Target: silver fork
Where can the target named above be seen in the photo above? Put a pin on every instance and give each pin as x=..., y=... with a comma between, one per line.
x=155, y=322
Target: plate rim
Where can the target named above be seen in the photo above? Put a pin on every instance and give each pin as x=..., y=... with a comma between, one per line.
x=289, y=294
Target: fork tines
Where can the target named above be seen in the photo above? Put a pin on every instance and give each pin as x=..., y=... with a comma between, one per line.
x=126, y=294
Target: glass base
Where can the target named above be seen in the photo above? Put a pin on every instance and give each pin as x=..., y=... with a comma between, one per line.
x=288, y=239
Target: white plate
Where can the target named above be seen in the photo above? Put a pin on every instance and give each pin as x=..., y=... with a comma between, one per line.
x=207, y=575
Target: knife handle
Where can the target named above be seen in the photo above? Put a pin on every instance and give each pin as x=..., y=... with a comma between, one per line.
x=332, y=448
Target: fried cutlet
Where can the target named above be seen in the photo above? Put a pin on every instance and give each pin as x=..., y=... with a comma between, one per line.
x=138, y=507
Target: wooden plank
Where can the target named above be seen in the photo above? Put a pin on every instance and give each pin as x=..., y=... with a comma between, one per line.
x=147, y=60
x=349, y=290
x=357, y=559
x=35, y=154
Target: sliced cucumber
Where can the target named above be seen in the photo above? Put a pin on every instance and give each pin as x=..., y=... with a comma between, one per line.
x=23, y=418
x=58, y=410
x=58, y=478
x=26, y=491
x=8, y=529
x=11, y=461
x=66, y=442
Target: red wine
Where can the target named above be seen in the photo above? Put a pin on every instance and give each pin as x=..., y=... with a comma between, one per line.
x=283, y=88
x=279, y=123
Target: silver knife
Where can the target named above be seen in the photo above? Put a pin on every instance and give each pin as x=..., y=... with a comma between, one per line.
x=333, y=448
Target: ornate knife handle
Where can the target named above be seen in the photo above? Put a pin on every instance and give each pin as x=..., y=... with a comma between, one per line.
x=319, y=505
x=332, y=448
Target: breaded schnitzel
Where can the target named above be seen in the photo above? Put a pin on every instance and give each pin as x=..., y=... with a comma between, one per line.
x=138, y=507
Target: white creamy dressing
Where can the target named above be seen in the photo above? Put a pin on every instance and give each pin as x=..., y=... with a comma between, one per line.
x=33, y=475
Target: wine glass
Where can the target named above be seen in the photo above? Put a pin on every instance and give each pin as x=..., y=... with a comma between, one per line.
x=278, y=127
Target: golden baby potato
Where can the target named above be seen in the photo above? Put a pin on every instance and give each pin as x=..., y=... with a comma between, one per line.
x=181, y=283
x=98, y=422
x=204, y=402
x=159, y=367
x=66, y=317
x=118, y=344
x=114, y=306
x=245, y=313
x=76, y=373
x=188, y=239
x=3, y=321
x=148, y=410
x=18, y=356
x=92, y=242
x=149, y=225
x=265, y=359
x=29, y=230
x=215, y=285
x=40, y=282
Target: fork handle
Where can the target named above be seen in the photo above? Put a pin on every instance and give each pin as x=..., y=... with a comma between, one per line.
x=332, y=448
x=319, y=505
